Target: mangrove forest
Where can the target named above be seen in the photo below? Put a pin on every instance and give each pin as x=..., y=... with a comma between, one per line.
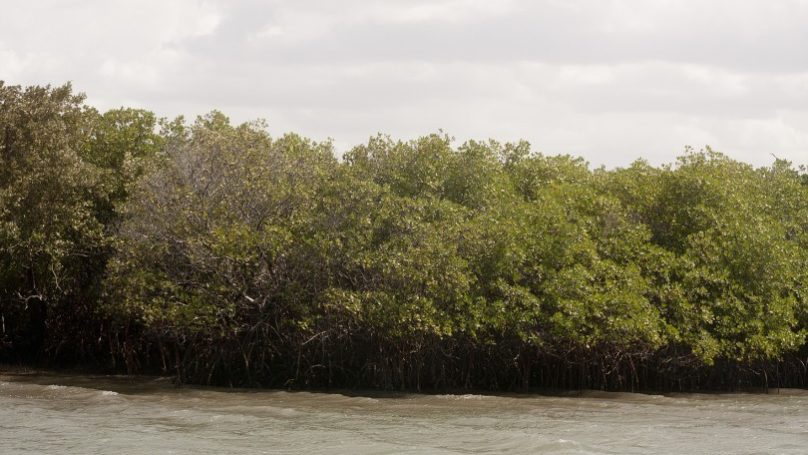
x=218, y=254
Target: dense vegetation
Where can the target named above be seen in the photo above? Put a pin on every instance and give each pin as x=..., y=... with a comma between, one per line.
x=223, y=255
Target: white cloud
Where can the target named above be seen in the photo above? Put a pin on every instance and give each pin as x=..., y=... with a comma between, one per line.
x=453, y=11
x=11, y=63
x=612, y=80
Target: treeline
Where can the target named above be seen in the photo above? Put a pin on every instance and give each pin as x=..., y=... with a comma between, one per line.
x=222, y=255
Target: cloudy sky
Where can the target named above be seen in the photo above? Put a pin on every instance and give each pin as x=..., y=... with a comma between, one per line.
x=610, y=80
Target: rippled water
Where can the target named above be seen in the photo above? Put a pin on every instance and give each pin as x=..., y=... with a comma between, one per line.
x=89, y=415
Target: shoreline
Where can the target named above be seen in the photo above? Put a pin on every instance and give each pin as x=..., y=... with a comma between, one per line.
x=84, y=378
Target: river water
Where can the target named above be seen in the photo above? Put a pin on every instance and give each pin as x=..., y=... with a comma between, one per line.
x=117, y=415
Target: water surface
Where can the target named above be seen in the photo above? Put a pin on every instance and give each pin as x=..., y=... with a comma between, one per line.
x=95, y=415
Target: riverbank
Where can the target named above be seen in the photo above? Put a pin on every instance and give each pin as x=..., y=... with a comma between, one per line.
x=94, y=379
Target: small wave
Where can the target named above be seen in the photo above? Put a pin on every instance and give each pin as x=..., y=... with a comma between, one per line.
x=568, y=446
x=108, y=393
x=290, y=412
x=468, y=396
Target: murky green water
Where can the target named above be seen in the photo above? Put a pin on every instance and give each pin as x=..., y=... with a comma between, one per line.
x=95, y=415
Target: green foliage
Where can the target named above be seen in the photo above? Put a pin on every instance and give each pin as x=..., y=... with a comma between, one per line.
x=48, y=231
x=268, y=259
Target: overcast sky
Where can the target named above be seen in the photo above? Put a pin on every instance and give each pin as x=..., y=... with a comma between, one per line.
x=610, y=80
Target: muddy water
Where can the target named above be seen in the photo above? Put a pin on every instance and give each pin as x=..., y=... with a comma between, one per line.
x=106, y=415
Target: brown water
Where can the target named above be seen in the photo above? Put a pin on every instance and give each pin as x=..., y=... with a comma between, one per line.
x=94, y=415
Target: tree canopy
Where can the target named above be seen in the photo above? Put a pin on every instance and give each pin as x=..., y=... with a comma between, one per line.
x=224, y=255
